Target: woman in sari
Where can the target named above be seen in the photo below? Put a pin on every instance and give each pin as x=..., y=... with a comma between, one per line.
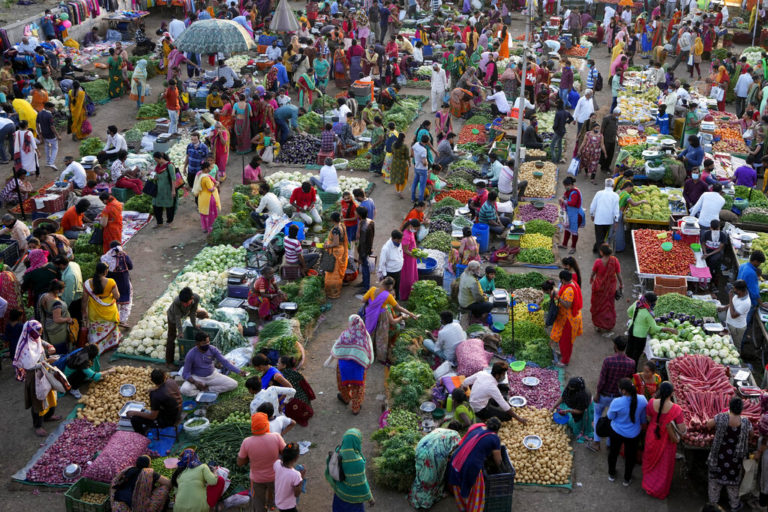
x=409, y=273
x=461, y=101
x=657, y=32
x=465, y=472
x=618, y=49
x=433, y=453
x=469, y=249
x=55, y=318
x=208, y=203
x=504, y=43
x=306, y=85
x=443, y=124
x=116, y=87
x=100, y=313
x=322, y=70
x=139, y=488
x=578, y=403
x=338, y=246
x=10, y=290
x=242, y=124
x=568, y=325
x=76, y=103
x=400, y=164
x=264, y=295
x=491, y=71
x=139, y=82
x=354, y=353
x=9, y=195
x=606, y=276
x=297, y=408
x=340, y=68
x=351, y=494
x=675, y=21
x=119, y=265
x=220, y=146
x=270, y=81
x=380, y=305
x=660, y=449
x=25, y=145
x=31, y=351
x=723, y=80
x=111, y=221
x=648, y=381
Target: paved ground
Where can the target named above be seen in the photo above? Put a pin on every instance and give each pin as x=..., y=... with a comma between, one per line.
x=157, y=252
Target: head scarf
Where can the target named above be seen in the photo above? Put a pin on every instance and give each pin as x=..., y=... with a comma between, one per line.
x=644, y=304
x=259, y=424
x=37, y=258
x=354, y=343
x=24, y=346
x=140, y=73
x=271, y=77
x=111, y=259
x=722, y=75
x=188, y=459
x=352, y=444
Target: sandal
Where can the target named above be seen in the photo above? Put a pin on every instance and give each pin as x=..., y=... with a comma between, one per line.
x=593, y=448
x=55, y=417
x=572, y=251
x=338, y=395
x=40, y=432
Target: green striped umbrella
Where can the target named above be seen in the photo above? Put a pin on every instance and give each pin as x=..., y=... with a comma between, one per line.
x=211, y=36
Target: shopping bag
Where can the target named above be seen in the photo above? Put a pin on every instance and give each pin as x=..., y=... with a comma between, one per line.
x=573, y=167
x=97, y=237
x=150, y=188
x=749, y=482
x=268, y=155
x=42, y=386
x=690, y=59
x=56, y=378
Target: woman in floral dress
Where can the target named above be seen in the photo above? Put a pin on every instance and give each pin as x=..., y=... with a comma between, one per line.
x=591, y=149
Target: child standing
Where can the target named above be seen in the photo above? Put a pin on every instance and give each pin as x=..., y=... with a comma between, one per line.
x=288, y=481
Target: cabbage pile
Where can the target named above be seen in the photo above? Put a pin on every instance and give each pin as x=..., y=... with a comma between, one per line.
x=346, y=183
x=694, y=340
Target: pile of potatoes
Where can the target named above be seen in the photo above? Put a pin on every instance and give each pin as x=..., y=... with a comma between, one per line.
x=549, y=465
x=104, y=401
x=543, y=186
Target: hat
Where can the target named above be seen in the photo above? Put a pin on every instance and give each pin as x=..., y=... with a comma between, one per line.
x=260, y=423
x=617, y=110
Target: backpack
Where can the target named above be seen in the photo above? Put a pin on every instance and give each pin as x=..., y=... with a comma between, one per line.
x=598, y=82
x=334, y=465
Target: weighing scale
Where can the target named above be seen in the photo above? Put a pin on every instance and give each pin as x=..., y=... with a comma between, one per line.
x=689, y=226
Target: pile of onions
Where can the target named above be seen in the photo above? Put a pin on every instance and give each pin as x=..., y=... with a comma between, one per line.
x=545, y=395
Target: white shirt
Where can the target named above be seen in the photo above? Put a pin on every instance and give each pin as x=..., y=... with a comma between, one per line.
x=283, y=99
x=670, y=100
x=741, y=305
x=273, y=52
x=343, y=111
x=506, y=180
x=448, y=338
x=484, y=387
x=584, y=108
x=685, y=42
x=682, y=94
x=329, y=180
x=115, y=143
x=419, y=156
x=742, y=85
x=605, y=207
x=526, y=104
x=271, y=395
x=724, y=12
x=77, y=173
x=279, y=424
x=175, y=28
x=390, y=258
x=30, y=46
x=439, y=80
x=708, y=207
x=418, y=55
x=501, y=101
x=626, y=16
x=117, y=170
x=228, y=75
x=271, y=203
x=609, y=12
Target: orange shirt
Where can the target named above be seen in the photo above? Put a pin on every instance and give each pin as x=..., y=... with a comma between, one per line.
x=39, y=97
x=71, y=219
x=414, y=214
x=172, y=99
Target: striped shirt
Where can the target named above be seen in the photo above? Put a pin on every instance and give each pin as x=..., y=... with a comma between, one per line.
x=592, y=78
x=292, y=250
x=487, y=213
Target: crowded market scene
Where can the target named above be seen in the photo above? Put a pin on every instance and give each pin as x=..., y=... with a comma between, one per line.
x=384, y=302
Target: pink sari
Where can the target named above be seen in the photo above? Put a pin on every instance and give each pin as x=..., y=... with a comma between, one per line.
x=410, y=273
x=221, y=152
x=603, y=304
x=659, y=454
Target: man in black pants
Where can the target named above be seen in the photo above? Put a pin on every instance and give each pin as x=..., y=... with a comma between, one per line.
x=487, y=399
x=164, y=405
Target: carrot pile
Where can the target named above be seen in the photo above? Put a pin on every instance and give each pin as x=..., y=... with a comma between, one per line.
x=577, y=51
x=628, y=140
x=460, y=195
x=728, y=133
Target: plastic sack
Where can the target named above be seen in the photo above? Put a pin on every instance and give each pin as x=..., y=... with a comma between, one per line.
x=240, y=357
x=471, y=357
x=231, y=315
x=441, y=371
x=236, y=500
x=749, y=482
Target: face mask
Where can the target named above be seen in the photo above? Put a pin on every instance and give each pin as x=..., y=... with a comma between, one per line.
x=34, y=335
x=396, y=244
x=204, y=348
x=695, y=176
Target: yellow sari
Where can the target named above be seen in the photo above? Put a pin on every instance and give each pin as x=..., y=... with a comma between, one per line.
x=335, y=278
x=166, y=50
x=103, y=316
x=26, y=113
x=617, y=50
x=77, y=111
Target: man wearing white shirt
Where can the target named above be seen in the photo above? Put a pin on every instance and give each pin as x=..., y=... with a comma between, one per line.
x=608, y=16
x=486, y=398
x=709, y=205
x=737, y=310
x=448, y=338
x=724, y=12
x=741, y=90
x=175, y=28
x=439, y=86
x=626, y=16
x=683, y=96
x=604, y=211
x=274, y=51
x=27, y=45
x=670, y=100
x=584, y=108
x=527, y=105
x=685, y=42
x=391, y=259
x=328, y=179
x=279, y=423
x=115, y=142
x=73, y=172
x=343, y=110
x=268, y=202
x=500, y=105
x=507, y=180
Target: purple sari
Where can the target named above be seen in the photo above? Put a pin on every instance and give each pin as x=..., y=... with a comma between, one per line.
x=373, y=310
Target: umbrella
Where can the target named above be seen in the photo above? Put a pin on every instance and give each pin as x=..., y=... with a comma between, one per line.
x=626, y=3
x=215, y=35
x=284, y=20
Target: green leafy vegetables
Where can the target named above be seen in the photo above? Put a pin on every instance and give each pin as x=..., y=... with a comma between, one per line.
x=680, y=304
x=91, y=146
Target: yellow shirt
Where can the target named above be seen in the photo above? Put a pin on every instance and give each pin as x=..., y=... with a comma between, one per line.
x=212, y=101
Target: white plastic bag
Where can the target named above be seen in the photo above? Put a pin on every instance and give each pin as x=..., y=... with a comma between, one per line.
x=573, y=167
x=42, y=386
x=240, y=357
x=442, y=370
x=749, y=482
x=505, y=207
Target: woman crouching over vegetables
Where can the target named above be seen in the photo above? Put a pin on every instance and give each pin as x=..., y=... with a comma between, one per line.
x=578, y=402
x=139, y=488
x=465, y=472
x=194, y=481
x=30, y=354
x=433, y=453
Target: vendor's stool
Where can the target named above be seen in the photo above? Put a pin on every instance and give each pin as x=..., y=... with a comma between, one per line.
x=290, y=272
x=176, y=431
x=321, y=156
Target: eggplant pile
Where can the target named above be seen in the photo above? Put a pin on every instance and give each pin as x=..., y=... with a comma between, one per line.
x=299, y=150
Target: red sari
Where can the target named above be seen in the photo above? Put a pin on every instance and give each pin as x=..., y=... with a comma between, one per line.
x=220, y=143
x=659, y=454
x=603, y=308
x=113, y=228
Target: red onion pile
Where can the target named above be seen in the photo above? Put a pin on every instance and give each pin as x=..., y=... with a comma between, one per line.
x=527, y=211
x=121, y=451
x=543, y=396
x=76, y=445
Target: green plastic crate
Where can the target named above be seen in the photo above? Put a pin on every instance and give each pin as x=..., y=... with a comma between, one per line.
x=187, y=341
x=82, y=486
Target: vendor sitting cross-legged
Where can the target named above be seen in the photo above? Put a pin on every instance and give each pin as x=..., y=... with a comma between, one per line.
x=200, y=374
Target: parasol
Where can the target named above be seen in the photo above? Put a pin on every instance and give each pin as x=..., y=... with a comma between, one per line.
x=626, y=3
x=215, y=35
x=284, y=20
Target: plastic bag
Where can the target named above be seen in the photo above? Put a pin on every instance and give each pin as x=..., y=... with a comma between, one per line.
x=42, y=386
x=749, y=482
x=231, y=315
x=240, y=357
x=441, y=371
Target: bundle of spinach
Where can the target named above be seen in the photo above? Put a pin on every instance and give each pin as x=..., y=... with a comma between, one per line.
x=91, y=146
x=395, y=467
x=523, y=332
x=409, y=383
x=428, y=296
x=142, y=204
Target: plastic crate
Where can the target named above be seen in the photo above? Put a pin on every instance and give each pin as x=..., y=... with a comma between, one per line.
x=663, y=290
x=122, y=194
x=500, y=486
x=82, y=486
x=329, y=198
x=9, y=252
x=56, y=205
x=187, y=341
x=669, y=282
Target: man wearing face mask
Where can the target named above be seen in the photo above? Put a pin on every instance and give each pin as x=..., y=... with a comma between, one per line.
x=199, y=372
x=693, y=188
x=713, y=241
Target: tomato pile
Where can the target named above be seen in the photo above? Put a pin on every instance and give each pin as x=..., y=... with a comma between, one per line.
x=466, y=135
x=652, y=259
x=461, y=195
x=730, y=146
x=577, y=51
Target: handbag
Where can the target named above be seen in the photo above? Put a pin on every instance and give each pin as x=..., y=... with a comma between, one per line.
x=42, y=386
x=97, y=237
x=56, y=378
x=672, y=432
x=361, y=311
x=334, y=465
x=551, y=313
x=150, y=188
x=327, y=262
x=618, y=295
x=603, y=427
x=573, y=167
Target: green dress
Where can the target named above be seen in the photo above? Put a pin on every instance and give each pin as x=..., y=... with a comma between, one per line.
x=191, y=495
x=165, y=197
x=116, y=87
x=377, y=147
x=399, y=168
x=432, y=456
